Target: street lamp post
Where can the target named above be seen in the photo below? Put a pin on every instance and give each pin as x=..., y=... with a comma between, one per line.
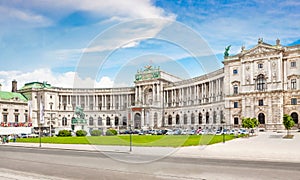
x=223, y=131
x=130, y=134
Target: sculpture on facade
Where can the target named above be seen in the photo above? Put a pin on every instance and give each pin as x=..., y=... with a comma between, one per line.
x=79, y=112
x=80, y=116
x=226, y=53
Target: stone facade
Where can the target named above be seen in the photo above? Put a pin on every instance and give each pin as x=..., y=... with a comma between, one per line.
x=262, y=82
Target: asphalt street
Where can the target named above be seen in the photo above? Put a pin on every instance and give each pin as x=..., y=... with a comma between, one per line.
x=34, y=163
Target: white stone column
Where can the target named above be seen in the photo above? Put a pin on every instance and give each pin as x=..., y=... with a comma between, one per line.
x=112, y=104
x=167, y=98
x=61, y=104
x=104, y=102
x=153, y=93
x=158, y=92
x=140, y=95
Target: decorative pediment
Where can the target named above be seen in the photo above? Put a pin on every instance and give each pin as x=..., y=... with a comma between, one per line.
x=260, y=49
x=293, y=76
x=235, y=82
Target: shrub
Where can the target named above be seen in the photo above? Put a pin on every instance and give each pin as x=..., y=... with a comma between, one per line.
x=81, y=133
x=96, y=133
x=111, y=132
x=64, y=133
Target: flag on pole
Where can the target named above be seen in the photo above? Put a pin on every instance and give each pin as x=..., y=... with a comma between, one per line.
x=42, y=120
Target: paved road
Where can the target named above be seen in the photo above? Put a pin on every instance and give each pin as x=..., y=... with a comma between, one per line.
x=33, y=163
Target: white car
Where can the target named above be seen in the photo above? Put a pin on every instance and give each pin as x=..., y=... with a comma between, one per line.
x=33, y=135
x=170, y=132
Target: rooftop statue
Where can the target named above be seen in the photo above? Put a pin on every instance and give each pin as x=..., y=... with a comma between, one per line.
x=226, y=53
x=148, y=67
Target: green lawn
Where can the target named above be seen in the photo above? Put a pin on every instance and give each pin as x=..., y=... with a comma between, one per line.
x=163, y=140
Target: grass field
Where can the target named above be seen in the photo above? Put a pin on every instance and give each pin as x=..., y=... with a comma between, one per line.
x=124, y=140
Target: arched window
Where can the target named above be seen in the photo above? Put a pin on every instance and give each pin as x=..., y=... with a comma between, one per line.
x=294, y=115
x=185, y=119
x=116, y=121
x=207, y=118
x=192, y=118
x=177, y=119
x=261, y=118
x=64, y=121
x=107, y=121
x=261, y=82
x=170, y=120
x=124, y=121
x=235, y=89
x=155, y=120
x=91, y=121
x=200, y=118
x=99, y=121
x=222, y=117
x=214, y=117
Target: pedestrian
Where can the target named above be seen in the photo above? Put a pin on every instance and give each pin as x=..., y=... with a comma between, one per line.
x=4, y=140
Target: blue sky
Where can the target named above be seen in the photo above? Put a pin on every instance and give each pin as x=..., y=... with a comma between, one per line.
x=103, y=43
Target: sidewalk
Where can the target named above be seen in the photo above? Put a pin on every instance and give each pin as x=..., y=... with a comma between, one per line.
x=267, y=146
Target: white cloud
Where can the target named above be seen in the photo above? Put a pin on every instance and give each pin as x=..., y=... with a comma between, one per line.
x=65, y=80
x=133, y=9
x=131, y=44
x=20, y=16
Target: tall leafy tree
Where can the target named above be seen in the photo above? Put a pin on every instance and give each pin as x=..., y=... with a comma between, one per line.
x=249, y=123
x=288, y=122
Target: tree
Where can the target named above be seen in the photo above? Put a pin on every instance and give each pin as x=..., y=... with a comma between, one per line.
x=81, y=133
x=64, y=133
x=96, y=133
x=250, y=123
x=111, y=132
x=288, y=122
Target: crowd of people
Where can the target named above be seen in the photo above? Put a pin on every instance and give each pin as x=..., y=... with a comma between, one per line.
x=7, y=138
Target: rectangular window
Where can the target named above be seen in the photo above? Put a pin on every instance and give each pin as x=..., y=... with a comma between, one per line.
x=26, y=118
x=235, y=90
x=235, y=104
x=261, y=102
x=294, y=101
x=5, y=118
x=260, y=65
x=16, y=118
x=293, y=84
x=235, y=71
x=236, y=120
x=293, y=64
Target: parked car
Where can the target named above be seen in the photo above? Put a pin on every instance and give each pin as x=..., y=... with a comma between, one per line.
x=170, y=132
x=192, y=132
x=184, y=132
x=33, y=135
x=203, y=131
x=22, y=135
x=232, y=132
x=243, y=131
x=218, y=132
x=177, y=132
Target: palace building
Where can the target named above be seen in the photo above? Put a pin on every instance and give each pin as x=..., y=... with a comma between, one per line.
x=261, y=82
